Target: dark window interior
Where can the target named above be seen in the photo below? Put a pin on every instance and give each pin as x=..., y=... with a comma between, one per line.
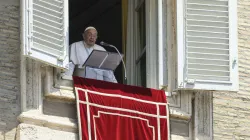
x=105, y=16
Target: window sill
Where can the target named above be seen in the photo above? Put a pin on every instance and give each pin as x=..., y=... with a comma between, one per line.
x=64, y=94
x=180, y=115
x=53, y=122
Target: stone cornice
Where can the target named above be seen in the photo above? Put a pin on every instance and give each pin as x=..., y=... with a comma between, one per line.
x=53, y=122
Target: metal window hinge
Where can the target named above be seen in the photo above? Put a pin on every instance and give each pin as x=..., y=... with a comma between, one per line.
x=164, y=87
x=181, y=85
x=60, y=58
x=190, y=81
x=234, y=61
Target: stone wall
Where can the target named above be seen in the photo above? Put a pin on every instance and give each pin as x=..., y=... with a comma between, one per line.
x=34, y=132
x=231, y=111
x=9, y=68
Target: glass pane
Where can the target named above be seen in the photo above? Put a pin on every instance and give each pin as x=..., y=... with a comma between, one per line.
x=143, y=70
x=142, y=26
x=141, y=67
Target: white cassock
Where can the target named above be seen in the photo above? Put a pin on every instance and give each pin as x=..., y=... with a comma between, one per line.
x=79, y=54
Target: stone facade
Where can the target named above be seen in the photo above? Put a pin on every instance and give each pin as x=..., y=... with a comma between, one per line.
x=9, y=68
x=33, y=132
x=231, y=110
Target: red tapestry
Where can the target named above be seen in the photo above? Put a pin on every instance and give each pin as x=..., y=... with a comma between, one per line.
x=110, y=111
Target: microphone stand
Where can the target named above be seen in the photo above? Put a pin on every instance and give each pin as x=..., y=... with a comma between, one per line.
x=125, y=72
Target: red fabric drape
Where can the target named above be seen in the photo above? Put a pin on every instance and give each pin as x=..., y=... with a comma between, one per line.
x=109, y=111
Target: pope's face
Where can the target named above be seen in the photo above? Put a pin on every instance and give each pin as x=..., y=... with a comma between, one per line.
x=90, y=37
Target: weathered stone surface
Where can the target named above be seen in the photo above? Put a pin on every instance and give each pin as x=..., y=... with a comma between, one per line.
x=33, y=132
x=231, y=110
x=9, y=69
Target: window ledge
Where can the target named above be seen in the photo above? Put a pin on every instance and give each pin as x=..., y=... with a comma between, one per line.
x=53, y=122
x=180, y=115
x=64, y=94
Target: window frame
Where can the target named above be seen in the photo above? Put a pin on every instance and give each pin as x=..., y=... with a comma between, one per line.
x=151, y=43
x=140, y=52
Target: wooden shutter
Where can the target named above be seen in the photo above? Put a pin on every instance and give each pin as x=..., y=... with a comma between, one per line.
x=46, y=31
x=207, y=44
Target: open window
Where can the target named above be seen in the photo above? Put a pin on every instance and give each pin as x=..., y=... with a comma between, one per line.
x=205, y=56
x=141, y=43
x=51, y=26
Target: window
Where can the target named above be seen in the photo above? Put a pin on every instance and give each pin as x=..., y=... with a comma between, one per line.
x=206, y=46
x=45, y=37
x=141, y=44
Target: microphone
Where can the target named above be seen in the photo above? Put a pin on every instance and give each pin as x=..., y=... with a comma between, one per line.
x=105, y=44
x=112, y=46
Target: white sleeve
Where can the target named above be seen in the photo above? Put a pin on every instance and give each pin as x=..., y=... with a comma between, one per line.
x=68, y=74
x=71, y=65
x=73, y=56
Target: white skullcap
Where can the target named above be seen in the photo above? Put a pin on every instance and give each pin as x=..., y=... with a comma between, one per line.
x=90, y=27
